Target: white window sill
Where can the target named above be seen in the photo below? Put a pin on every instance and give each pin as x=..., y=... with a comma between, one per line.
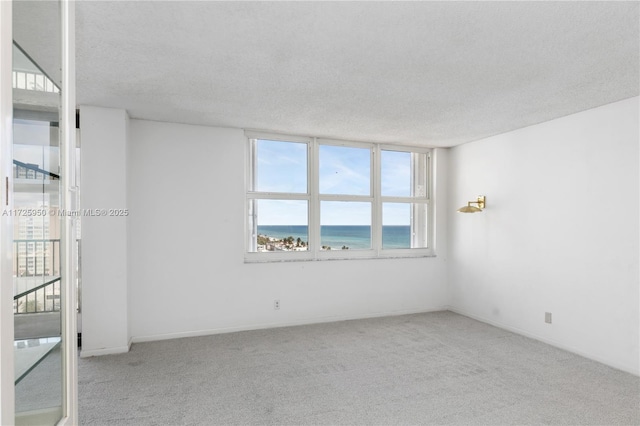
x=270, y=258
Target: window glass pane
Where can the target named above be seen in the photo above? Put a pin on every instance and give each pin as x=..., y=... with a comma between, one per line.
x=279, y=225
x=396, y=225
x=345, y=225
x=280, y=166
x=396, y=173
x=404, y=225
x=345, y=170
x=403, y=174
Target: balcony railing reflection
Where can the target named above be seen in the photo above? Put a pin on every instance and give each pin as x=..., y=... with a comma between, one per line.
x=37, y=276
x=31, y=171
x=42, y=298
x=33, y=81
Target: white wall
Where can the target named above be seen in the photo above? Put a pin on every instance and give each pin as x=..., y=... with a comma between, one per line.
x=104, y=239
x=559, y=234
x=187, y=274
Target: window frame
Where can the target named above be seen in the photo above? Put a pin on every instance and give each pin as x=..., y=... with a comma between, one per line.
x=314, y=200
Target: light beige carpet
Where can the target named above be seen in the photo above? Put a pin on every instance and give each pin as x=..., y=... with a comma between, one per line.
x=432, y=368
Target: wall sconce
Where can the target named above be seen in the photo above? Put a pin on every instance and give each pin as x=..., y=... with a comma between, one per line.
x=472, y=209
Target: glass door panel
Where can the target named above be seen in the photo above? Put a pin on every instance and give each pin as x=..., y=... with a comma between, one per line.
x=36, y=230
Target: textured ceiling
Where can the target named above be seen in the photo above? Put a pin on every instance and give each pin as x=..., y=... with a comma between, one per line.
x=37, y=31
x=429, y=73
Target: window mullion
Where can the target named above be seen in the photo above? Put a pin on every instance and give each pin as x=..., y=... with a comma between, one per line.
x=429, y=173
x=376, y=219
x=250, y=217
x=415, y=216
x=314, y=200
x=404, y=200
x=335, y=197
x=276, y=196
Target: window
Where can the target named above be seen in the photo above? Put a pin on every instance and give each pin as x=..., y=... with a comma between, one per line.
x=311, y=198
x=404, y=198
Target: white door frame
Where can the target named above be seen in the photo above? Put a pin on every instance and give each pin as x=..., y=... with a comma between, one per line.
x=7, y=391
x=69, y=202
x=67, y=148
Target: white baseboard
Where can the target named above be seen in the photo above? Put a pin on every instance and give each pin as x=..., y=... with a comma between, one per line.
x=84, y=353
x=635, y=371
x=306, y=321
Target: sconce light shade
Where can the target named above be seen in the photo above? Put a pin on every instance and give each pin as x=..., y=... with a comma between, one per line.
x=469, y=209
x=481, y=202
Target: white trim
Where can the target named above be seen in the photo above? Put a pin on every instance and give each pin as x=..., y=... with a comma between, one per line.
x=405, y=148
x=376, y=205
x=253, y=134
x=7, y=389
x=405, y=200
x=309, y=321
x=568, y=348
x=252, y=195
x=313, y=229
x=106, y=351
x=346, y=143
x=435, y=164
x=383, y=254
x=249, y=226
x=68, y=200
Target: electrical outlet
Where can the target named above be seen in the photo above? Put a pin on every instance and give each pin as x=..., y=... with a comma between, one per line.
x=547, y=317
x=276, y=304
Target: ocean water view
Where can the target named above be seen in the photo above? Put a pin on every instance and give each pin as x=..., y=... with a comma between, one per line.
x=337, y=236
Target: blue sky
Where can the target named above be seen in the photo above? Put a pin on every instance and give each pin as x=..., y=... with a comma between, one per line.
x=344, y=170
x=282, y=167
